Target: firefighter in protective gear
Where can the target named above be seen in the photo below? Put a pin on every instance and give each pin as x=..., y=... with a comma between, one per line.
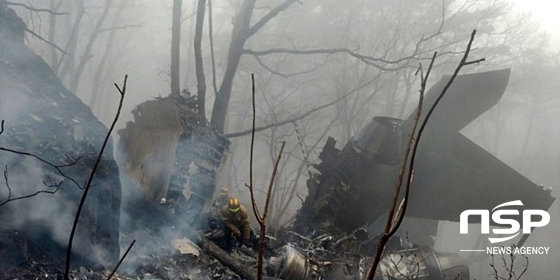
x=224, y=197
x=221, y=200
x=212, y=220
x=236, y=223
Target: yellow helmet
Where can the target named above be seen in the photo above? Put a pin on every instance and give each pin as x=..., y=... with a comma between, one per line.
x=233, y=205
x=224, y=192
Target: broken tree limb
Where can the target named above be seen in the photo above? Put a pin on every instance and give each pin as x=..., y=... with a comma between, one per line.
x=222, y=256
x=121, y=260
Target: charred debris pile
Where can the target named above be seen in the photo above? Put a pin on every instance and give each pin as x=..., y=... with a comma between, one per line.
x=169, y=156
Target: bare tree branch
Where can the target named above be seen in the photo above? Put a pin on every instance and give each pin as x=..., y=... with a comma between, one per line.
x=287, y=75
x=285, y=203
x=56, y=167
x=121, y=260
x=119, y=27
x=187, y=17
x=387, y=233
x=474, y=61
x=211, y=39
x=35, y=9
x=250, y=185
x=7, y=185
x=52, y=31
x=44, y=40
x=87, y=54
x=10, y=199
x=304, y=115
x=493, y=266
x=259, y=24
x=261, y=219
x=108, y=48
x=373, y=61
x=391, y=227
x=90, y=179
x=525, y=268
x=425, y=121
x=62, y=69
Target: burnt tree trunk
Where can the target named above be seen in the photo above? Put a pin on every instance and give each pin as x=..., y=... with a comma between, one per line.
x=175, y=46
x=238, y=38
x=200, y=80
x=242, y=31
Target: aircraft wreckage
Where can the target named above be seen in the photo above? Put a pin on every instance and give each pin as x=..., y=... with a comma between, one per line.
x=451, y=173
x=327, y=239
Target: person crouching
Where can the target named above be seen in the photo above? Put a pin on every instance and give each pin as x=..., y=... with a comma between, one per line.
x=236, y=223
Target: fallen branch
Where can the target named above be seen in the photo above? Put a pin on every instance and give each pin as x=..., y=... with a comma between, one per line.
x=121, y=260
x=225, y=258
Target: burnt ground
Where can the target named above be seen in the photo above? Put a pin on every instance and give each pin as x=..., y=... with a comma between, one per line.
x=21, y=259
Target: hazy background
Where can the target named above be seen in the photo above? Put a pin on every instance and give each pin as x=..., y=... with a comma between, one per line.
x=109, y=39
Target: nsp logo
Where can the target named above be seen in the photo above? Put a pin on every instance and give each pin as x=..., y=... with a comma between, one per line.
x=514, y=227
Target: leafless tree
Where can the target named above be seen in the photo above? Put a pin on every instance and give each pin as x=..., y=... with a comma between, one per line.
x=397, y=210
x=242, y=31
x=261, y=218
x=508, y=270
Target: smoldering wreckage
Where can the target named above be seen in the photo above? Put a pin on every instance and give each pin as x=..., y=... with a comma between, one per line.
x=168, y=203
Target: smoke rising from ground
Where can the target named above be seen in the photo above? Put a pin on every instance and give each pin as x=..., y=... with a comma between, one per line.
x=521, y=130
